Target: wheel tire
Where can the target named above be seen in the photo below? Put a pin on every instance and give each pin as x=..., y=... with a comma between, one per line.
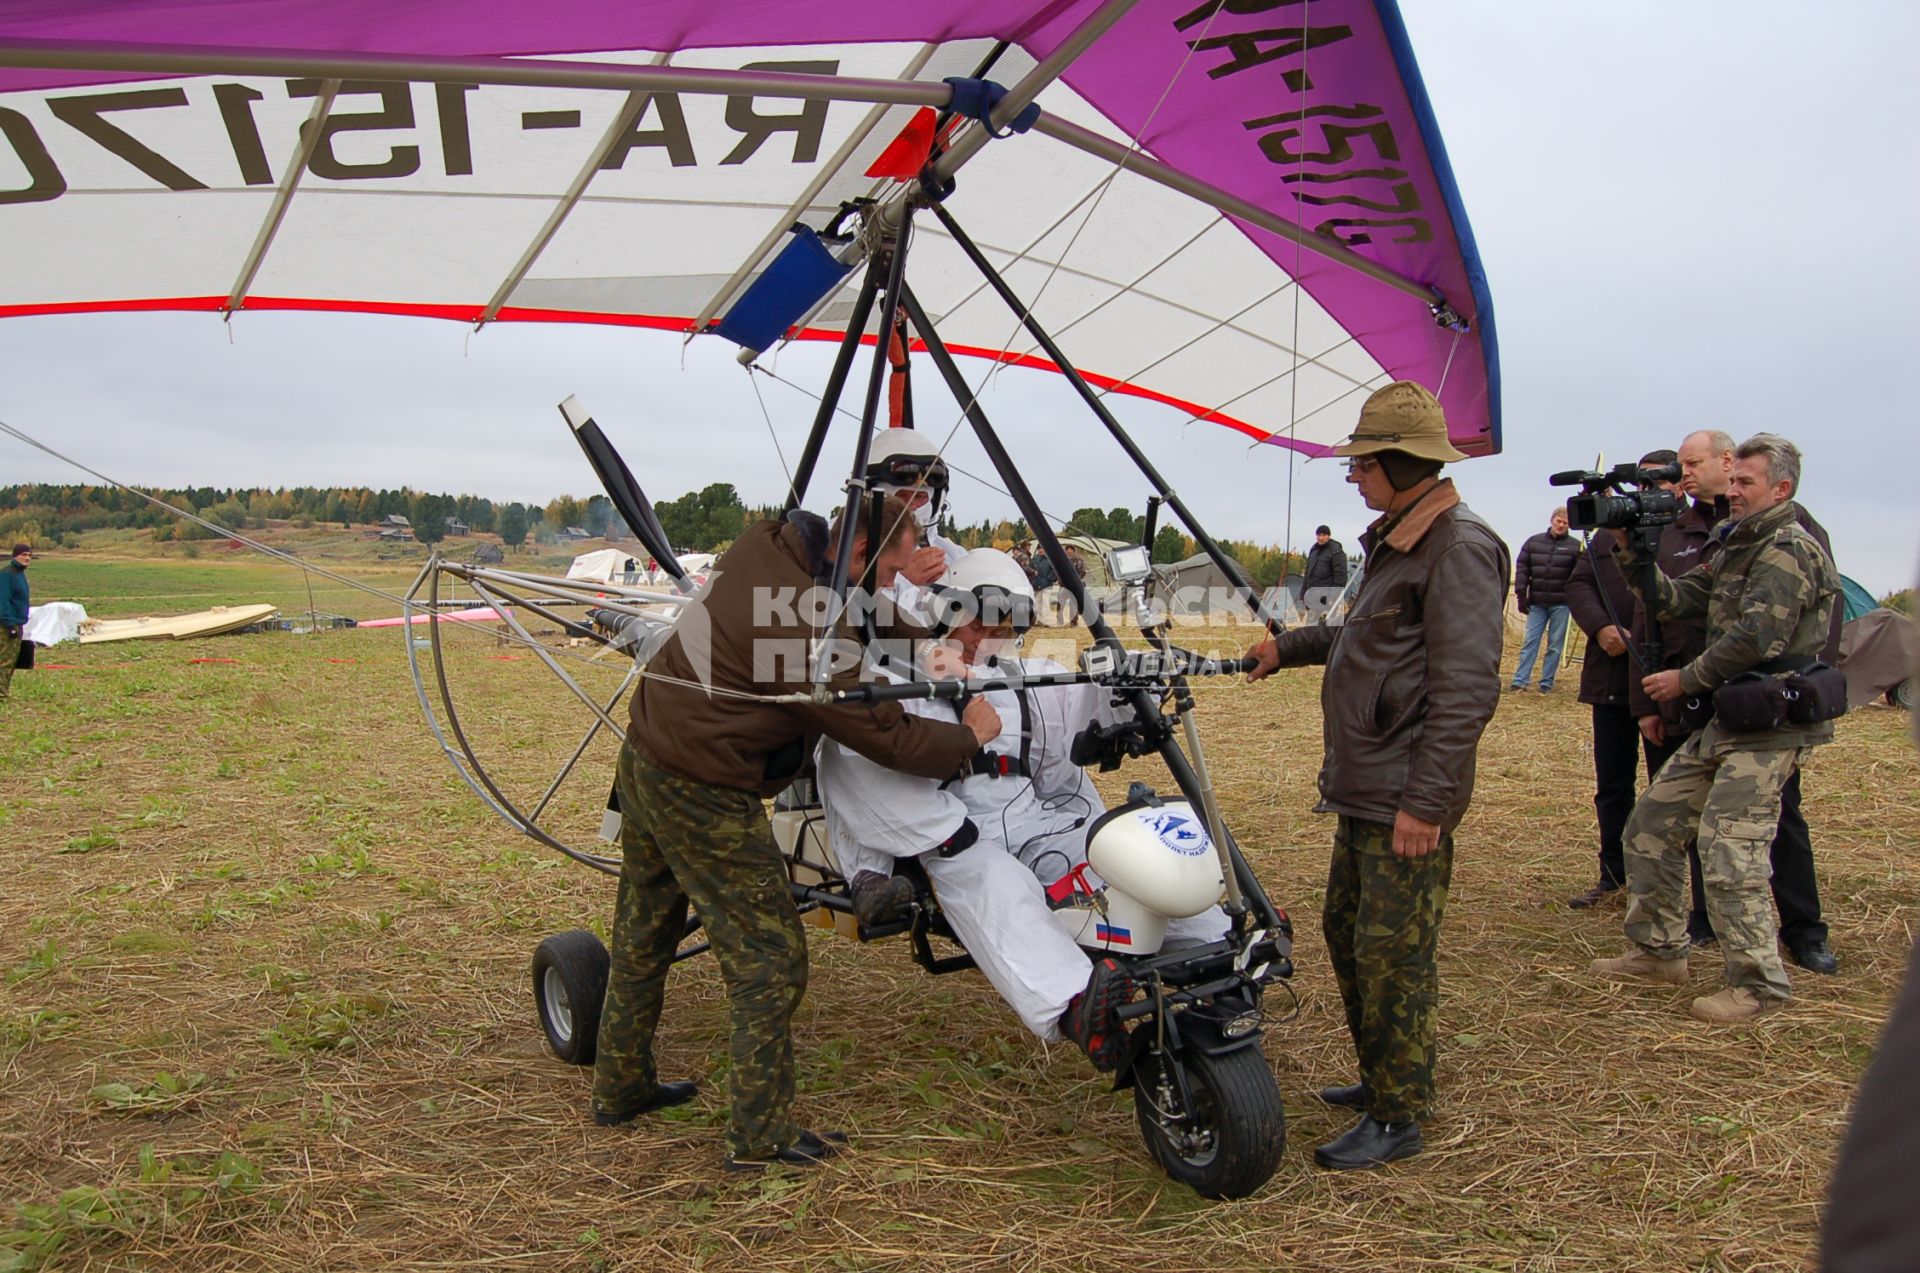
x=569, y=986
x=1901, y=695
x=1242, y=1123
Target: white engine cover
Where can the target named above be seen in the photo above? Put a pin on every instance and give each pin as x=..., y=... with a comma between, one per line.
x=1160, y=856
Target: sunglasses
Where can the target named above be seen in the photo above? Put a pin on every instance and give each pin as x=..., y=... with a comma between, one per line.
x=1362, y=464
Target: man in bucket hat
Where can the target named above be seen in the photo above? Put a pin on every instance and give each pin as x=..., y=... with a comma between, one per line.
x=1412, y=678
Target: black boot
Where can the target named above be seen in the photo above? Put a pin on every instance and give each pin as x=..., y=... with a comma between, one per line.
x=1092, y=1020
x=877, y=897
x=1814, y=955
x=673, y=1092
x=1369, y=1143
x=1348, y=1096
x=810, y=1150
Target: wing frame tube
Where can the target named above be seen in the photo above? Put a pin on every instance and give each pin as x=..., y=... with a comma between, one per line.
x=199, y=59
x=1224, y=201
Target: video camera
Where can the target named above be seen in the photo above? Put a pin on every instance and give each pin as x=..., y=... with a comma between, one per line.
x=1641, y=509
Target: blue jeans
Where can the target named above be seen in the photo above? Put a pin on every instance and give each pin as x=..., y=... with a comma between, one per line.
x=1551, y=620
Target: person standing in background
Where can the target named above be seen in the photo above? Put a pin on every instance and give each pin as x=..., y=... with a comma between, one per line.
x=1540, y=575
x=14, y=604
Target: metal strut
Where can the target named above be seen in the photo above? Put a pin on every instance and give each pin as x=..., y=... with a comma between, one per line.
x=856, y=480
x=1228, y=566
x=836, y=385
x=1143, y=704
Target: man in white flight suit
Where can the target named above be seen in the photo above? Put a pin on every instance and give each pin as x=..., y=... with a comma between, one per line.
x=907, y=464
x=991, y=843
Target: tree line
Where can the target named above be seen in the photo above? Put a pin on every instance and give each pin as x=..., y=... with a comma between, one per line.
x=698, y=521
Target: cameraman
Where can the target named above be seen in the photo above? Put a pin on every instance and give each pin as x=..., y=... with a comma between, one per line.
x=1768, y=597
x=1706, y=470
x=1602, y=604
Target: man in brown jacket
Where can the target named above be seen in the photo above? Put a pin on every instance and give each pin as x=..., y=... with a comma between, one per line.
x=709, y=738
x=1412, y=679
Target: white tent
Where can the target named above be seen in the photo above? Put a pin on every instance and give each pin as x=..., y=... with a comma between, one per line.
x=54, y=622
x=606, y=565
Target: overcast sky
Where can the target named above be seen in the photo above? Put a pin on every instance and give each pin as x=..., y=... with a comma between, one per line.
x=1691, y=215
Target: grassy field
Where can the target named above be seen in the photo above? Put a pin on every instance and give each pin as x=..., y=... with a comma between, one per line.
x=264, y=1004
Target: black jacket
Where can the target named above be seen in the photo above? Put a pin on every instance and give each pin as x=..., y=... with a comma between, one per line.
x=1541, y=571
x=1326, y=566
x=1596, y=582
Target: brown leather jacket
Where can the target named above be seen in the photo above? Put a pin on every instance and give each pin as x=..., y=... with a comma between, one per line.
x=751, y=617
x=1413, y=676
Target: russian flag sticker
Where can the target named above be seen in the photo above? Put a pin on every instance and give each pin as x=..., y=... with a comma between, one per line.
x=1113, y=934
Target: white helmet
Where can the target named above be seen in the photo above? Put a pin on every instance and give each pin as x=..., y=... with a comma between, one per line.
x=985, y=584
x=900, y=460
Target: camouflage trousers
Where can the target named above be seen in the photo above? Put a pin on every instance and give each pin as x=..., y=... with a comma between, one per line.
x=1382, y=925
x=682, y=841
x=9, y=651
x=1731, y=798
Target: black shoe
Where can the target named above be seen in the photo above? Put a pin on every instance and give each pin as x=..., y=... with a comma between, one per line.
x=1092, y=1020
x=1594, y=896
x=1369, y=1143
x=1350, y=1096
x=878, y=898
x=810, y=1150
x=676, y=1092
x=1701, y=935
x=1814, y=955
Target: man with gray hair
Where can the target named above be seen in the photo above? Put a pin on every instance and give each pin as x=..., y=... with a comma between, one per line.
x=1706, y=462
x=1768, y=597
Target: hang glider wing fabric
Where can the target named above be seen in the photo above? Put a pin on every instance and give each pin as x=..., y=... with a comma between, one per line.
x=130, y=185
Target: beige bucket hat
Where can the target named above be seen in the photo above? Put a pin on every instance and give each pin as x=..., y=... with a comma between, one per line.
x=1403, y=416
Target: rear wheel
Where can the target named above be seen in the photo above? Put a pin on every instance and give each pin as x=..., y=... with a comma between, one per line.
x=1229, y=1143
x=569, y=985
x=1901, y=695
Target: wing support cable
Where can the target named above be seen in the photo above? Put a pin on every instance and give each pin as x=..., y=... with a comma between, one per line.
x=282, y=197
x=1227, y=565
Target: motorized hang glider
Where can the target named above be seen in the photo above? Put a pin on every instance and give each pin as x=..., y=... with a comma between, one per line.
x=1238, y=207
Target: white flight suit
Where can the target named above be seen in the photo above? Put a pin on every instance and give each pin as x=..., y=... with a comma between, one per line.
x=1031, y=830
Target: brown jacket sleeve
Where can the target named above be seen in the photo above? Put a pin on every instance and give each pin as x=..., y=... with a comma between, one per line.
x=885, y=734
x=1299, y=647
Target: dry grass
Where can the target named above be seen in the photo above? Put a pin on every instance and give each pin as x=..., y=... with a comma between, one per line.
x=261, y=881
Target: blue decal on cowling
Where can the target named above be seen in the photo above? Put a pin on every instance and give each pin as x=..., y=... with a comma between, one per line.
x=1178, y=832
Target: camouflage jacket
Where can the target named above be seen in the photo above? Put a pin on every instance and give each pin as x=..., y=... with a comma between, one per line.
x=1768, y=593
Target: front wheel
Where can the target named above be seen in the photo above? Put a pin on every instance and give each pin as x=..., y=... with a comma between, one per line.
x=569, y=985
x=1229, y=1142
